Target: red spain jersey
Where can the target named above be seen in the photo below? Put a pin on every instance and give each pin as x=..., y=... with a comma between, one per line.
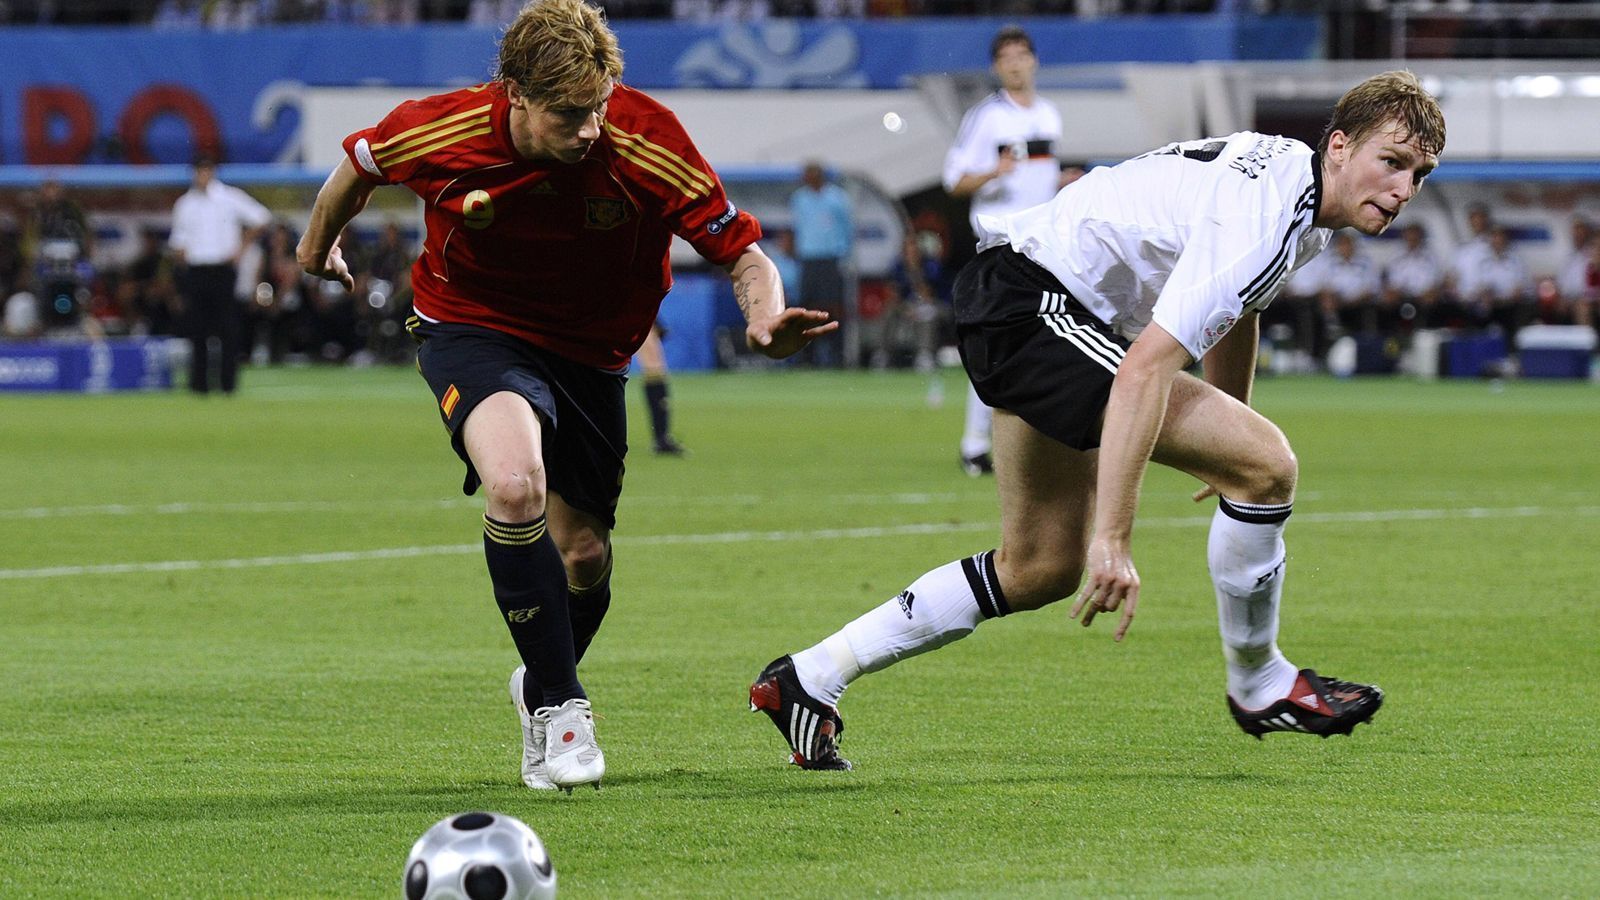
x=573, y=258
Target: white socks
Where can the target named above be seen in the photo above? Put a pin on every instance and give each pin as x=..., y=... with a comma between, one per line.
x=941, y=606
x=976, y=438
x=1246, y=556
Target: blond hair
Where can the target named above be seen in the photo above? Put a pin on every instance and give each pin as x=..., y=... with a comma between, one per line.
x=560, y=53
x=1391, y=97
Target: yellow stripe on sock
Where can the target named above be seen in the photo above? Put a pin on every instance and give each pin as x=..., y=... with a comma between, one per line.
x=514, y=535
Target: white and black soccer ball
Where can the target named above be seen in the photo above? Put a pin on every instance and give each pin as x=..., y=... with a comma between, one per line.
x=479, y=856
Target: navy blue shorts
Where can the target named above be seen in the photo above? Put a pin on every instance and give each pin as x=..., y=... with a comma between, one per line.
x=1030, y=348
x=583, y=409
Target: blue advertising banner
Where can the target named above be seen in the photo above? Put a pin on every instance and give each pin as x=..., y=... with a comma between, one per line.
x=132, y=364
x=92, y=95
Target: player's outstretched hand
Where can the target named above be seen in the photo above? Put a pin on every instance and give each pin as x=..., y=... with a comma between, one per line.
x=331, y=267
x=784, y=334
x=1203, y=493
x=1110, y=583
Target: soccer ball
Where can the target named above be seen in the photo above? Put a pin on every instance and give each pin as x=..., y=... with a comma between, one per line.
x=479, y=856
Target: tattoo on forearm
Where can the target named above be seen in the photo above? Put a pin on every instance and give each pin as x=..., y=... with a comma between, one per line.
x=744, y=281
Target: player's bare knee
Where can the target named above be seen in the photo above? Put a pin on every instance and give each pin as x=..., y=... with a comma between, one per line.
x=1269, y=476
x=1064, y=582
x=586, y=559
x=1279, y=476
x=1038, y=579
x=514, y=496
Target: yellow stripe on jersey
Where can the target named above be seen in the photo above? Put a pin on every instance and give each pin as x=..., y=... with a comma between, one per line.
x=403, y=151
x=671, y=161
x=662, y=162
x=666, y=156
x=693, y=193
x=436, y=123
x=439, y=144
x=394, y=149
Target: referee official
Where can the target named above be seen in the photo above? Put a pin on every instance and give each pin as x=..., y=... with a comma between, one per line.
x=211, y=224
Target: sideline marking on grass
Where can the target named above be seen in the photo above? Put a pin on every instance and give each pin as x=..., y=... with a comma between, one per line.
x=296, y=506
x=738, y=537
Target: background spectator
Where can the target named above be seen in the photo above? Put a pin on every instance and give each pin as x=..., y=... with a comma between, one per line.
x=1413, y=282
x=211, y=224
x=823, y=237
x=1469, y=254
x=1350, y=286
x=150, y=287
x=1504, y=290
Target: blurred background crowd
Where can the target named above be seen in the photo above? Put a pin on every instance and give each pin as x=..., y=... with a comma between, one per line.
x=55, y=281
x=54, y=278
x=252, y=13
x=1488, y=254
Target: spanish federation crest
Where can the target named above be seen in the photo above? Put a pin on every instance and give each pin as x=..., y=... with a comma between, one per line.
x=604, y=213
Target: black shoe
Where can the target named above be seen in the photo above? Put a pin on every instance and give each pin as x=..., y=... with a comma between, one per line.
x=977, y=466
x=667, y=446
x=1316, y=705
x=811, y=727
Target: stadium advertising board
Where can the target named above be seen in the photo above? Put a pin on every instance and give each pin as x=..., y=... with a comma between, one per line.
x=73, y=96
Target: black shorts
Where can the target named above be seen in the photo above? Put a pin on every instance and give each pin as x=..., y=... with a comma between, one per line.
x=583, y=409
x=1033, y=350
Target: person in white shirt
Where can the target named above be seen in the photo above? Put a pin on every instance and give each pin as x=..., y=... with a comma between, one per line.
x=1504, y=289
x=1572, y=282
x=1004, y=159
x=1350, y=286
x=1298, y=310
x=1469, y=254
x=1412, y=281
x=211, y=225
x=1076, y=322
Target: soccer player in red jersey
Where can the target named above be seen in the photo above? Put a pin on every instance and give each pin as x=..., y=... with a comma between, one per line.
x=552, y=193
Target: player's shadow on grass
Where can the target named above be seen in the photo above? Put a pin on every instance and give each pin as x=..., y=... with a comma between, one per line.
x=265, y=805
x=423, y=800
x=427, y=800
x=697, y=784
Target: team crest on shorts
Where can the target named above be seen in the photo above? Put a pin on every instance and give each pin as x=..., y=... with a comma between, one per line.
x=604, y=213
x=1217, y=325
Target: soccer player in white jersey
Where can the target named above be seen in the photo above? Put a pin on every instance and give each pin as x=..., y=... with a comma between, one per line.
x=1076, y=321
x=1004, y=159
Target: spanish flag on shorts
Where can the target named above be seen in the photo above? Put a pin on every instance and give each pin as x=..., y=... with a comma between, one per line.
x=448, y=403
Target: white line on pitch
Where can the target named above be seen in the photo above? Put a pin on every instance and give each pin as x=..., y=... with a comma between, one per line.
x=759, y=537
x=738, y=537
x=295, y=506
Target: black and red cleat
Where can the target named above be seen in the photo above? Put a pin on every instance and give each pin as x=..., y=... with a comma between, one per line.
x=1316, y=705
x=811, y=727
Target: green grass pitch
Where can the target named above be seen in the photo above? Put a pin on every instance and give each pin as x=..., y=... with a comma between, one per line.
x=248, y=649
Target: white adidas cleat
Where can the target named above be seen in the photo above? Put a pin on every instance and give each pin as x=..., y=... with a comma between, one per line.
x=533, y=731
x=572, y=757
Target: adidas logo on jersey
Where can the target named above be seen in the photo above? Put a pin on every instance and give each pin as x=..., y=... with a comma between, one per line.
x=905, y=600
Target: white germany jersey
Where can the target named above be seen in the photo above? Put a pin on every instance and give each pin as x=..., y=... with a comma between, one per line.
x=1000, y=126
x=1190, y=236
